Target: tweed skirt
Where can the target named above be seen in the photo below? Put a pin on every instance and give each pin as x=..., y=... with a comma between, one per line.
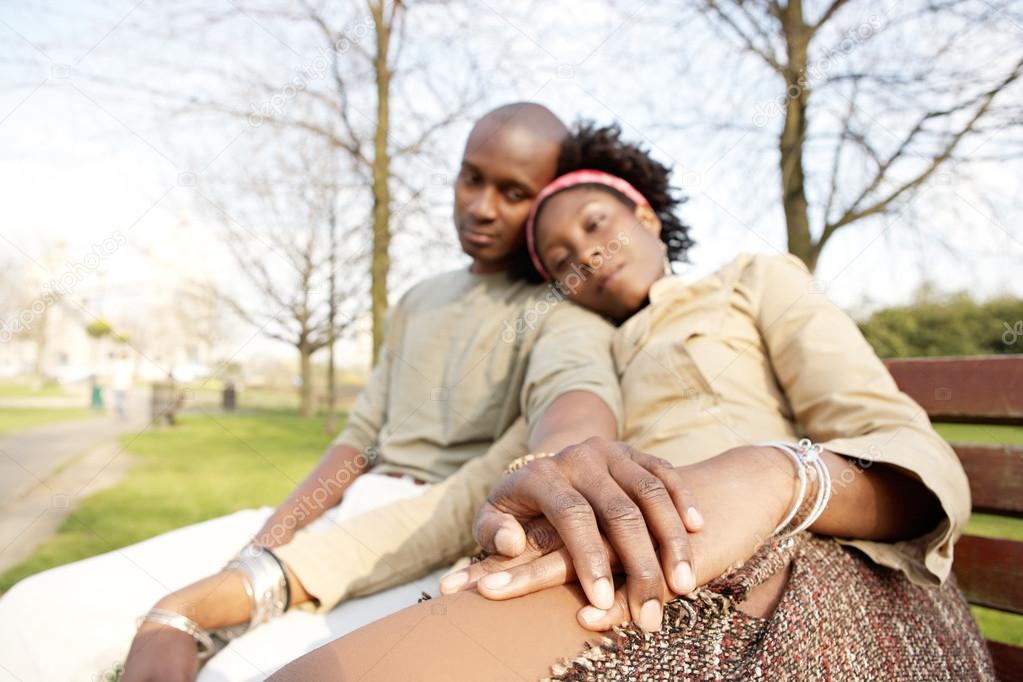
x=841, y=617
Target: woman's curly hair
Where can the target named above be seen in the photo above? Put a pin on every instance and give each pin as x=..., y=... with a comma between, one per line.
x=602, y=148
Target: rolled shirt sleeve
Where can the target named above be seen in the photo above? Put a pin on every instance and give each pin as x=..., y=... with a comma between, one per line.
x=572, y=352
x=843, y=397
x=403, y=540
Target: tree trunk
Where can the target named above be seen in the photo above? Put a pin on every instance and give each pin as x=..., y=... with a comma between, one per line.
x=381, y=260
x=797, y=94
x=331, y=425
x=41, y=334
x=305, y=391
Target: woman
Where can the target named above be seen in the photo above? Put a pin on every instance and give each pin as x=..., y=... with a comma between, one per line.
x=799, y=579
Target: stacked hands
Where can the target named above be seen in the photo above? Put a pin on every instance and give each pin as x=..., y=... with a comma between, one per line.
x=601, y=508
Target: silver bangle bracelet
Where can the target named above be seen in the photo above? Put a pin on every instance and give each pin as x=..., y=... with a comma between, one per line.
x=185, y=624
x=806, y=455
x=811, y=454
x=266, y=584
x=801, y=471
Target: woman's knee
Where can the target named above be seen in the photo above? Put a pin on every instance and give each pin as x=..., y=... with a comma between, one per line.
x=462, y=636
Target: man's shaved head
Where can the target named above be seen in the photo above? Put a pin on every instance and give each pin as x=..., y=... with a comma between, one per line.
x=534, y=119
x=511, y=154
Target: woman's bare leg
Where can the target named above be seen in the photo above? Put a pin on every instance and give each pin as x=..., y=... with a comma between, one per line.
x=465, y=636
x=458, y=637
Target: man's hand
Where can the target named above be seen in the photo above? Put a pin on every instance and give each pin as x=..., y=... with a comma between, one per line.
x=160, y=653
x=746, y=491
x=594, y=487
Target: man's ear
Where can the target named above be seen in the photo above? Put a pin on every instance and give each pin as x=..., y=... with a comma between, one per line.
x=649, y=220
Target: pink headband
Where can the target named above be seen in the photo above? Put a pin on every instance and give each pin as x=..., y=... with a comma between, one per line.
x=579, y=177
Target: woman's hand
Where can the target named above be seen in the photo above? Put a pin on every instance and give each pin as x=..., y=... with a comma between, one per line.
x=635, y=498
x=160, y=653
x=744, y=493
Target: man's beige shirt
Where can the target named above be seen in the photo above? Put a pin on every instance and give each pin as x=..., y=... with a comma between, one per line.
x=753, y=353
x=464, y=356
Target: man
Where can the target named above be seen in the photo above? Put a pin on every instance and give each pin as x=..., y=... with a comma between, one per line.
x=465, y=354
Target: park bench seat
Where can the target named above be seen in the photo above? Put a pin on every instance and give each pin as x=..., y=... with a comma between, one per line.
x=981, y=390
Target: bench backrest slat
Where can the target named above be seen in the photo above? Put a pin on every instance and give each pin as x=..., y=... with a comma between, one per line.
x=986, y=389
x=988, y=570
x=996, y=476
x=1008, y=661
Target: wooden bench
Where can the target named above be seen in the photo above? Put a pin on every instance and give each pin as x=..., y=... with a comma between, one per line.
x=987, y=390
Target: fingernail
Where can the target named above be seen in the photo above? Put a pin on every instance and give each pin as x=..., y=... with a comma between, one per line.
x=591, y=615
x=650, y=616
x=496, y=581
x=684, y=580
x=453, y=581
x=694, y=516
x=603, y=593
x=503, y=541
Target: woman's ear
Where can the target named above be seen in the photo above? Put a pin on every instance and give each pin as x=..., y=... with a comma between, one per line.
x=649, y=220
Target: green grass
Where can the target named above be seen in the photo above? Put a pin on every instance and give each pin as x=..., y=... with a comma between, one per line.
x=981, y=433
x=207, y=466
x=11, y=389
x=20, y=418
x=996, y=625
x=999, y=626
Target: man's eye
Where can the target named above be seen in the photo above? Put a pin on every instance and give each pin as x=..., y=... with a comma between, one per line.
x=469, y=177
x=515, y=195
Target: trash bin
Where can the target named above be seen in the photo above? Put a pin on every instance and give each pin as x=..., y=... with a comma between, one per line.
x=230, y=397
x=96, y=399
x=164, y=402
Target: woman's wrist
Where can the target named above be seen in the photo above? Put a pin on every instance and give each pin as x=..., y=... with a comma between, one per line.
x=752, y=483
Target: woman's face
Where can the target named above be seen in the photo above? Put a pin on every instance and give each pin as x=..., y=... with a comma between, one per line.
x=604, y=255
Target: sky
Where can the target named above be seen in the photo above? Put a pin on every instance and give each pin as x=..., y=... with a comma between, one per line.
x=85, y=156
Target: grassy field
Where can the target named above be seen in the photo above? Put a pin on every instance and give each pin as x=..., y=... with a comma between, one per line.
x=208, y=466
x=20, y=418
x=212, y=465
x=12, y=389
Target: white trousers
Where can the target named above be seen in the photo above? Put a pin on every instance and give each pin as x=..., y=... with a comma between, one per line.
x=76, y=622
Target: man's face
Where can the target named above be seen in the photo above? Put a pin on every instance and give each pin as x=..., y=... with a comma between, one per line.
x=503, y=168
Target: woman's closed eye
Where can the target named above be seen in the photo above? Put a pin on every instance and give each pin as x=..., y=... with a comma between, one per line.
x=562, y=262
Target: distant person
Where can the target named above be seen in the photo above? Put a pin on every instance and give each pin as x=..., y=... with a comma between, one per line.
x=121, y=381
x=95, y=393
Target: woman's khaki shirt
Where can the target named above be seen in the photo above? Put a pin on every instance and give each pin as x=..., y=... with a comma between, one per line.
x=752, y=353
